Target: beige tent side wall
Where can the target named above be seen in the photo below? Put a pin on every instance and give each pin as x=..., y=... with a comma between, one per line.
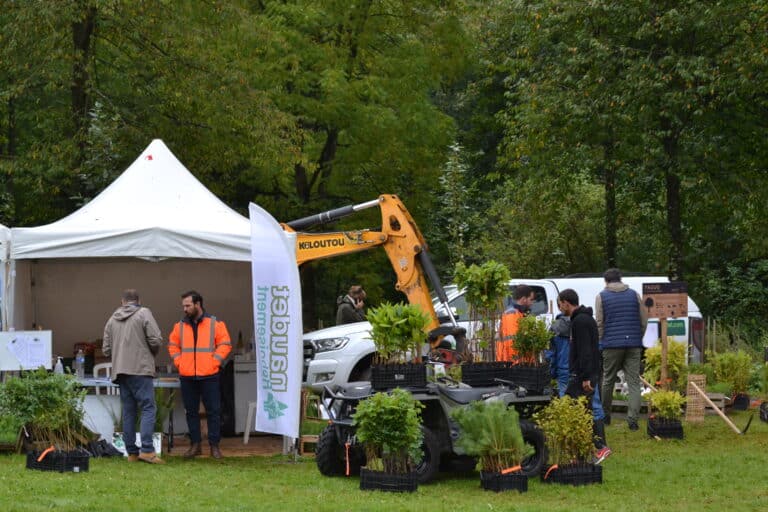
x=75, y=297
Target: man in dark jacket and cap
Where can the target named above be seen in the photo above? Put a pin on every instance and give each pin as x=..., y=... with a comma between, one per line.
x=584, y=361
x=350, y=306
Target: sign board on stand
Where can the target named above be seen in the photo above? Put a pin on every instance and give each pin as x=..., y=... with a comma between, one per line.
x=25, y=350
x=663, y=301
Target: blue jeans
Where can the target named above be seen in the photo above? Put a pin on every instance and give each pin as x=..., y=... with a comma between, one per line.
x=597, y=406
x=137, y=394
x=209, y=389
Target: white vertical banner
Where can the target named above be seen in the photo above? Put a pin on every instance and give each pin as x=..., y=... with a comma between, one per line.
x=277, y=324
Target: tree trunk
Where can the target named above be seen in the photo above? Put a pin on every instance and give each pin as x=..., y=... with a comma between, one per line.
x=82, y=32
x=327, y=156
x=610, y=206
x=674, y=203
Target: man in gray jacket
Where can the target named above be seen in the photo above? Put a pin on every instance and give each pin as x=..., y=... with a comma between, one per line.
x=132, y=338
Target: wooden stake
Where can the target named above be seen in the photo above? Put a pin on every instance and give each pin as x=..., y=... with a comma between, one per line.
x=716, y=408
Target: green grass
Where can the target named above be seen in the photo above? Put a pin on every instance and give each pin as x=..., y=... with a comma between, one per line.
x=712, y=470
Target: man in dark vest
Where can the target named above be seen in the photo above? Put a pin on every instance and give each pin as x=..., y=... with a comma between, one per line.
x=621, y=322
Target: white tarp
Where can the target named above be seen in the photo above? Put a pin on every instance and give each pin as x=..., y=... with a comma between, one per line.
x=155, y=209
x=156, y=228
x=5, y=235
x=277, y=324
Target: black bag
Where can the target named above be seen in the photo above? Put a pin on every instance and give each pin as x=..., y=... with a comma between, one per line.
x=764, y=411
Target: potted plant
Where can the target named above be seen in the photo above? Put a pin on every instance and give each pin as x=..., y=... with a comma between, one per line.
x=530, y=370
x=665, y=420
x=567, y=425
x=389, y=427
x=491, y=432
x=49, y=406
x=397, y=331
x=485, y=287
x=676, y=370
x=735, y=369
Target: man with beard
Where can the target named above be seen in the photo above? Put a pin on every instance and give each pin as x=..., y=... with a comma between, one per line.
x=198, y=346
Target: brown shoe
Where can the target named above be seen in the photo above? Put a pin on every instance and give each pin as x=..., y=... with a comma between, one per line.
x=215, y=452
x=151, y=458
x=133, y=457
x=194, y=450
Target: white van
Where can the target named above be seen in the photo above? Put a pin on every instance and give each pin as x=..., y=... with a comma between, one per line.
x=337, y=355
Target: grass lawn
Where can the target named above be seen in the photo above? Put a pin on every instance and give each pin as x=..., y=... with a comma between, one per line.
x=712, y=470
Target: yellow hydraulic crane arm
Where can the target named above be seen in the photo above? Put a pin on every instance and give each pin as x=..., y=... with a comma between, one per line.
x=399, y=236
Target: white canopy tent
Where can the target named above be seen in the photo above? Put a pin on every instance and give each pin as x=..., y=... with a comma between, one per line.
x=5, y=236
x=156, y=228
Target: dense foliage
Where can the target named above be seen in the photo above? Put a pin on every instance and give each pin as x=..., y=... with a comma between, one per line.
x=389, y=426
x=490, y=431
x=567, y=426
x=668, y=405
x=48, y=405
x=397, y=331
x=554, y=137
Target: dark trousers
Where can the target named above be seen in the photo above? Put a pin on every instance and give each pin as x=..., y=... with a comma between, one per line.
x=575, y=390
x=209, y=390
x=137, y=394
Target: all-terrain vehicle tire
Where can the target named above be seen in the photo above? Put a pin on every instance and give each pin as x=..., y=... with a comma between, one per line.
x=330, y=455
x=533, y=465
x=426, y=470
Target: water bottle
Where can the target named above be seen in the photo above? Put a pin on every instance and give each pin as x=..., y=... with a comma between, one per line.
x=59, y=368
x=80, y=364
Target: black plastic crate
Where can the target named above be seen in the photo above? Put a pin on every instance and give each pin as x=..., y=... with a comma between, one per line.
x=483, y=374
x=665, y=429
x=379, y=481
x=398, y=375
x=536, y=379
x=574, y=474
x=498, y=482
x=74, y=461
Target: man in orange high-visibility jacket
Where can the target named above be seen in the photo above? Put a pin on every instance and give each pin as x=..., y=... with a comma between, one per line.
x=198, y=345
x=523, y=297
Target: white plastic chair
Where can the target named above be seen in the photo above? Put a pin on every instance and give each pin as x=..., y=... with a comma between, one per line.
x=107, y=370
x=251, y=416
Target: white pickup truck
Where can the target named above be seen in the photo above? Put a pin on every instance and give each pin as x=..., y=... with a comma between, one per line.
x=341, y=354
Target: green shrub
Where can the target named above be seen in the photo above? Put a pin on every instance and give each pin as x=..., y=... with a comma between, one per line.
x=389, y=426
x=485, y=289
x=667, y=404
x=676, y=369
x=491, y=432
x=397, y=329
x=734, y=368
x=705, y=369
x=567, y=425
x=49, y=405
x=531, y=338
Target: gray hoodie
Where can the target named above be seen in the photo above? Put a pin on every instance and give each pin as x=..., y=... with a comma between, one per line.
x=132, y=338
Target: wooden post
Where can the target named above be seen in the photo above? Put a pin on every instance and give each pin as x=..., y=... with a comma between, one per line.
x=664, y=348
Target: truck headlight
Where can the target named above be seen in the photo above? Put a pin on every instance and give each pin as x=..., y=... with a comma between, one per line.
x=328, y=344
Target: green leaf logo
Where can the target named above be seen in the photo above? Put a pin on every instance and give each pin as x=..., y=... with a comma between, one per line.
x=273, y=407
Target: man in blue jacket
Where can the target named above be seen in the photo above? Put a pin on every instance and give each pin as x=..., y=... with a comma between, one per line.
x=621, y=322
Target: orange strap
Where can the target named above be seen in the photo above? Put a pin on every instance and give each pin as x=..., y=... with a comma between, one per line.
x=46, y=452
x=346, y=449
x=511, y=470
x=546, y=475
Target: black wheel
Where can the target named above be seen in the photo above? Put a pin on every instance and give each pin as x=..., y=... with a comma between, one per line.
x=533, y=436
x=330, y=455
x=428, y=467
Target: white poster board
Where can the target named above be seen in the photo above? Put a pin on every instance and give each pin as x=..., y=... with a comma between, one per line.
x=25, y=350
